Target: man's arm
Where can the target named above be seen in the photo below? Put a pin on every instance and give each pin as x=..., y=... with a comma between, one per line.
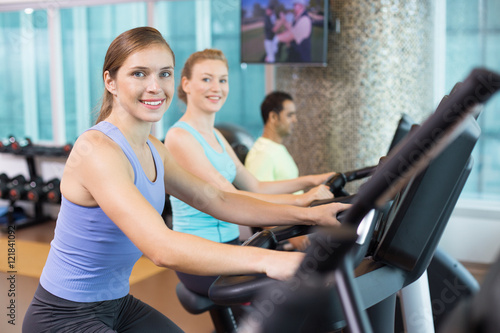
x=302, y=29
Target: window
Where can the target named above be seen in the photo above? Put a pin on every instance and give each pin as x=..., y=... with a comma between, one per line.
x=54, y=96
x=25, y=86
x=52, y=58
x=86, y=33
x=473, y=40
x=217, y=26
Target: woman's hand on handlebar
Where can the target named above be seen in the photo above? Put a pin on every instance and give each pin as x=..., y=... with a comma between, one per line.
x=282, y=265
x=317, y=179
x=322, y=177
x=320, y=192
x=326, y=215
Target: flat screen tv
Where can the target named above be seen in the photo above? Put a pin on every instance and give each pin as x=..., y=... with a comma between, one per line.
x=284, y=32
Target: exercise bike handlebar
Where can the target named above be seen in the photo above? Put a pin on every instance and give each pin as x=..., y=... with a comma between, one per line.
x=360, y=173
x=269, y=238
x=337, y=182
x=238, y=289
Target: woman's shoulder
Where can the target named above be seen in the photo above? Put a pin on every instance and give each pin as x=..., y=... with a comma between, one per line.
x=89, y=139
x=95, y=148
x=179, y=136
x=94, y=141
x=94, y=157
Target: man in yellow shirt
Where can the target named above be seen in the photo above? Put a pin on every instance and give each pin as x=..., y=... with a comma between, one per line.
x=268, y=159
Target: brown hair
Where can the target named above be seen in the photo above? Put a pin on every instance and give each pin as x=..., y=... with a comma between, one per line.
x=119, y=50
x=273, y=102
x=187, y=71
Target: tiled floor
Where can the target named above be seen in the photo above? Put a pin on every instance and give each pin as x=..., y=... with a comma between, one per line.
x=157, y=290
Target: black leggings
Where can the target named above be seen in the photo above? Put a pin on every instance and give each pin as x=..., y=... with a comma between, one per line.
x=200, y=284
x=51, y=314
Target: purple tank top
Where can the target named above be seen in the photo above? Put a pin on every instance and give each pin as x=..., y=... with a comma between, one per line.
x=90, y=258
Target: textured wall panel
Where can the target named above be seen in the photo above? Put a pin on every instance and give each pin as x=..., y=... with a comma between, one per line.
x=379, y=66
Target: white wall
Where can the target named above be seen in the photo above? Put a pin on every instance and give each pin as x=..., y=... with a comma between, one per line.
x=473, y=232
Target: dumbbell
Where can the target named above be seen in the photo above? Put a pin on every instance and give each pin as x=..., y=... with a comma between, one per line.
x=20, y=191
x=66, y=149
x=22, y=147
x=4, y=180
x=5, y=144
x=40, y=193
x=54, y=193
x=14, y=183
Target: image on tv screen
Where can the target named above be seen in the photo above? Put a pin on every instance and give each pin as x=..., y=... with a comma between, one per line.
x=284, y=31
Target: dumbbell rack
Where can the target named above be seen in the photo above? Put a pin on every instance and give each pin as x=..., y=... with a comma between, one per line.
x=29, y=154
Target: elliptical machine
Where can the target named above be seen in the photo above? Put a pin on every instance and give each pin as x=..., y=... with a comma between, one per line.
x=327, y=279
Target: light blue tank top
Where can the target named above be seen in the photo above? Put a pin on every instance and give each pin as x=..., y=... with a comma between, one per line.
x=90, y=258
x=192, y=221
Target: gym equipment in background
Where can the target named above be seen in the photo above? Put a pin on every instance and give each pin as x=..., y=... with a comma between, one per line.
x=478, y=314
x=29, y=188
x=48, y=191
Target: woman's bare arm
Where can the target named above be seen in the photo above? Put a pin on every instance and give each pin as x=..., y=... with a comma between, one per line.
x=104, y=175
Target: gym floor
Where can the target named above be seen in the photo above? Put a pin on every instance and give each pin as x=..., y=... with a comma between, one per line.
x=157, y=290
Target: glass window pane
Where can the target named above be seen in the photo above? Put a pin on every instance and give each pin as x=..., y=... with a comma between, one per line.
x=473, y=43
x=247, y=84
x=463, y=53
x=491, y=166
x=180, y=30
x=11, y=123
x=25, y=97
x=462, y=14
x=69, y=82
x=86, y=35
x=492, y=11
x=42, y=76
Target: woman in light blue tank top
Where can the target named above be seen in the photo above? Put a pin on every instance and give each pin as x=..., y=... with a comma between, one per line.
x=201, y=149
x=113, y=189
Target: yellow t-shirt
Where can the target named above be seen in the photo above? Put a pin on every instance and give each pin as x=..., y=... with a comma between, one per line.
x=270, y=161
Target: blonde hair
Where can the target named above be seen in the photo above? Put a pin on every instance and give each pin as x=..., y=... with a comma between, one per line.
x=187, y=71
x=119, y=50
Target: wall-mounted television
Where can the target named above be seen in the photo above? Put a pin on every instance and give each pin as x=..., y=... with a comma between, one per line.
x=284, y=32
